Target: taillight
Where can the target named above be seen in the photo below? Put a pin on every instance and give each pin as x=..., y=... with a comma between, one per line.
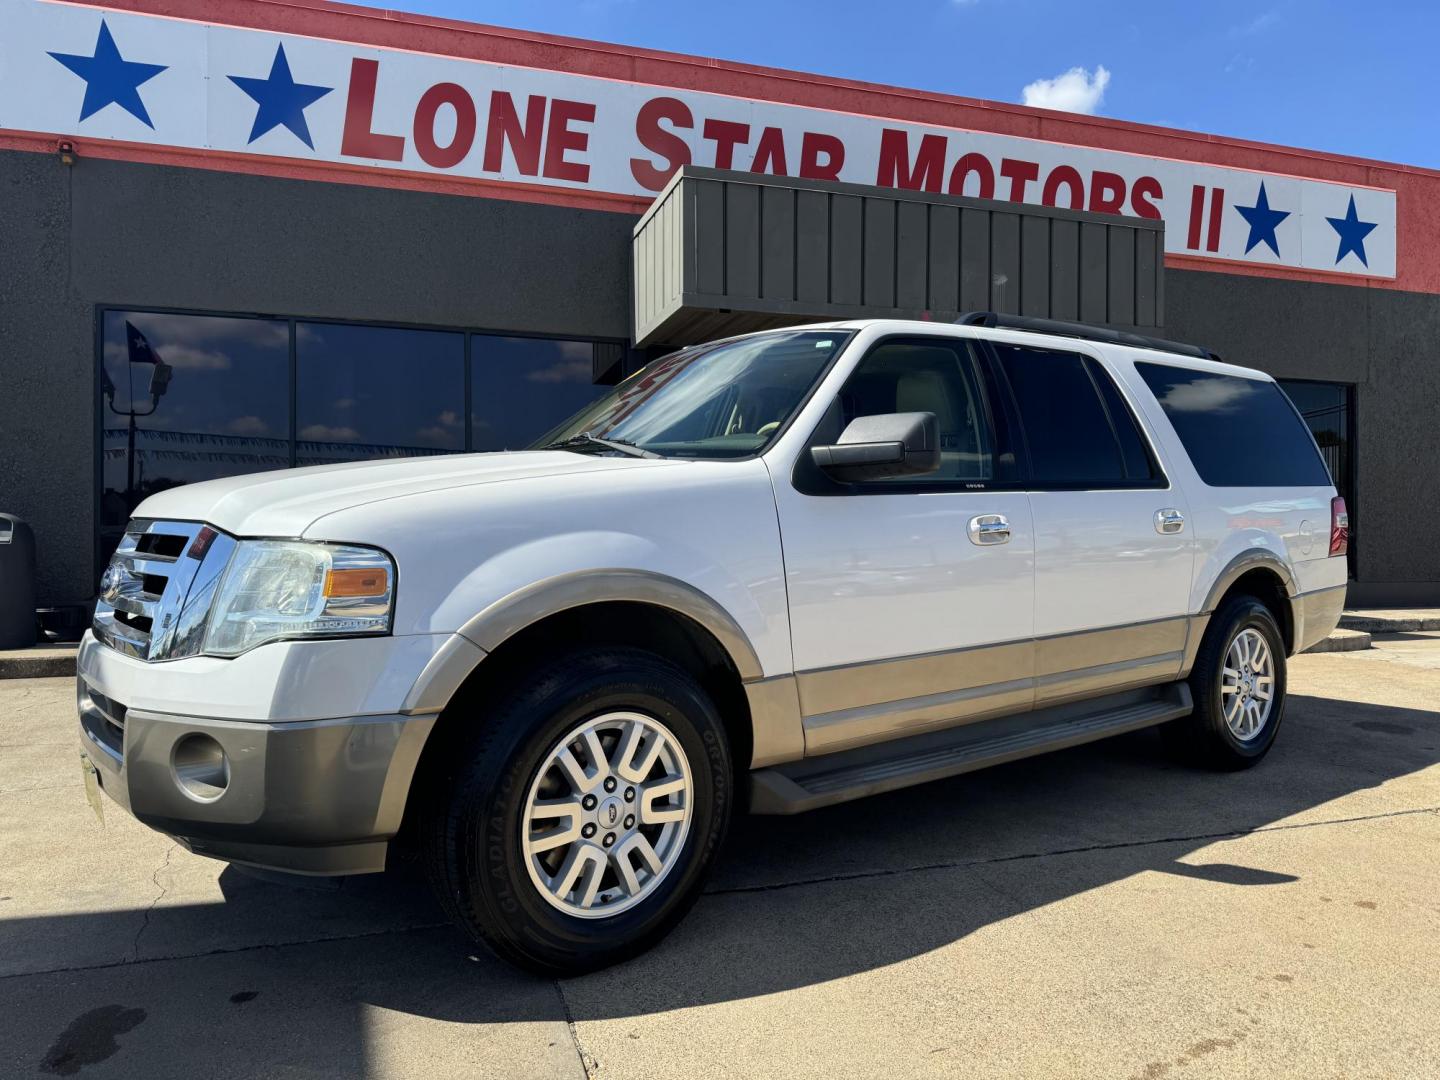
x=1339, y=527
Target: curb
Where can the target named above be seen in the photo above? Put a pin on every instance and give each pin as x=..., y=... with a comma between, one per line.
x=1390, y=624
x=1343, y=640
x=38, y=664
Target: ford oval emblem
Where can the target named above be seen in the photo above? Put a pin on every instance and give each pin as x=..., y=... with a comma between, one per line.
x=110, y=583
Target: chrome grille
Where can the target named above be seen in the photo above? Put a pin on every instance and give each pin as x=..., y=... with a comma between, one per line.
x=157, y=590
x=103, y=718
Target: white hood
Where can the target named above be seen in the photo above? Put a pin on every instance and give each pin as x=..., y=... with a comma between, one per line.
x=287, y=502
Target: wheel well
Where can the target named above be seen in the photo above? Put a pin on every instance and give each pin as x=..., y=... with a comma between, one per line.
x=1266, y=586
x=676, y=637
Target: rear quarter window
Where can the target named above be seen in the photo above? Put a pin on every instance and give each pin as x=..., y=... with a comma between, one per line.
x=1238, y=432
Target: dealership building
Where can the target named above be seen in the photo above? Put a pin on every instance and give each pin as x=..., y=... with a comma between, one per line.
x=343, y=233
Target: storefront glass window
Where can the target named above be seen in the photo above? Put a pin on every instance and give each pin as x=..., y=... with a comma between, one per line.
x=523, y=387
x=373, y=391
x=1326, y=409
x=190, y=397
x=187, y=398
x=1329, y=410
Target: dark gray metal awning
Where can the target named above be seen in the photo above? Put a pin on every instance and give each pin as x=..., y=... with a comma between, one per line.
x=723, y=252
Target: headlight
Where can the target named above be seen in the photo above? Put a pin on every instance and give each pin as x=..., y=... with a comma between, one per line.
x=277, y=589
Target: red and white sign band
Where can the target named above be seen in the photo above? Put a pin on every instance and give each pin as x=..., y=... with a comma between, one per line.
x=92, y=73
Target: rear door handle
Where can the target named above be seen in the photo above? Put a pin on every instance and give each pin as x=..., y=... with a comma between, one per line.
x=988, y=529
x=1169, y=521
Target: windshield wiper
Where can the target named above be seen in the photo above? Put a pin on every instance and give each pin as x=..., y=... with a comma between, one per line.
x=586, y=438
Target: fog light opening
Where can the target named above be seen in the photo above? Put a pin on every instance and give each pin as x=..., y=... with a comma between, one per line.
x=201, y=768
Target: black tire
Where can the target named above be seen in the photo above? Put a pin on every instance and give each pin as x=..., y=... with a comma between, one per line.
x=472, y=831
x=1204, y=738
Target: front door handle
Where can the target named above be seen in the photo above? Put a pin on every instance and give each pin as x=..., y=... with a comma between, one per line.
x=987, y=529
x=1169, y=521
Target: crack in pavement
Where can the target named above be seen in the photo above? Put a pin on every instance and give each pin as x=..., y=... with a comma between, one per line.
x=155, y=880
x=588, y=1061
x=588, y=1064
x=32, y=706
x=230, y=951
x=57, y=786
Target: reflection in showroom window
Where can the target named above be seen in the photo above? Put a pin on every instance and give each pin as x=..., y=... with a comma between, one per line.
x=376, y=391
x=523, y=387
x=187, y=398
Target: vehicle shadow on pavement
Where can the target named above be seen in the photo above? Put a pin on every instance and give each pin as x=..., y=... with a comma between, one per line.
x=876, y=882
x=795, y=902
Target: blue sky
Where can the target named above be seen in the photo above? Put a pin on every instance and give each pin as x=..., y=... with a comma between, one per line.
x=1352, y=78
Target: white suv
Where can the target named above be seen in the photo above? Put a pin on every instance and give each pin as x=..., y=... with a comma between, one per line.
x=770, y=573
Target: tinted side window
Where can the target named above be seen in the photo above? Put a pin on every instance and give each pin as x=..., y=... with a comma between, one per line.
x=928, y=375
x=1238, y=432
x=1069, y=431
x=1139, y=465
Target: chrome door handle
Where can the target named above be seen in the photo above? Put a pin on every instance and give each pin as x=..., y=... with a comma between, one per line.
x=1169, y=521
x=987, y=529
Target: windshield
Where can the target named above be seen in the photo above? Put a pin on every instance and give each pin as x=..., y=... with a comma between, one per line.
x=725, y=400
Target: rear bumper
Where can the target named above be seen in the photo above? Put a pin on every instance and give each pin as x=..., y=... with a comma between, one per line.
x=1316, y=614
x=313, y=797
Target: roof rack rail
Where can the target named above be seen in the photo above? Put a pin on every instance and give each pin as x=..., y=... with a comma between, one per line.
x=1060, y=328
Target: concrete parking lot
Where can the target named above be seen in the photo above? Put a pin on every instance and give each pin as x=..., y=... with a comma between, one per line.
x=1101, y=912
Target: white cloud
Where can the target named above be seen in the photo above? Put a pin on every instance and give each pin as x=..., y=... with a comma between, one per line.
x=180, y=357
x=248, y=425
x=435, y=435
x=562, y=372
x=326, y=433
x=1210, y=395
x=186, y=358
x=1076, y=90
x=208, y=332
x=1257, y=25
x=576, y=350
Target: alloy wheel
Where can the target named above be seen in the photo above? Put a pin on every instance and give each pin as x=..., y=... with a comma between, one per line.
x=1247, y=684
x=606, y=817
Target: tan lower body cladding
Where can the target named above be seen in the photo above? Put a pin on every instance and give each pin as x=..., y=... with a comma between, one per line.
x=846, y=707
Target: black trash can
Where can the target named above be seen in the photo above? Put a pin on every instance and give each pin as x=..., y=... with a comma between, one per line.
x=17, y=583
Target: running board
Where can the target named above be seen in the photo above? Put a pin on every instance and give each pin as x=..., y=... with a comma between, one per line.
x=852, y=774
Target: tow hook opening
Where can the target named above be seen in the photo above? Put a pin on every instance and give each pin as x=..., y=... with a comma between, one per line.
x=200, y=767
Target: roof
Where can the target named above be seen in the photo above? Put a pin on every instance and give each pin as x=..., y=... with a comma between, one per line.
x=1031, y=338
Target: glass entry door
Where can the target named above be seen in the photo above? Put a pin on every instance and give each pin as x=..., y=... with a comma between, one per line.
x=1329, y=410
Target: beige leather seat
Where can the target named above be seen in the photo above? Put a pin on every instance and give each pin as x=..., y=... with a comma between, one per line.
x=928, y=390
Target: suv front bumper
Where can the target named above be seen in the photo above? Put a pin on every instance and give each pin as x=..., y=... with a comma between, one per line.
x=312, y=796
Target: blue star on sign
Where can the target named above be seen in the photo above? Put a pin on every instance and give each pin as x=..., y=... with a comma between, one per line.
x=1352, y=232
x=282, y=101
x=110, y=79
x=1262, y=221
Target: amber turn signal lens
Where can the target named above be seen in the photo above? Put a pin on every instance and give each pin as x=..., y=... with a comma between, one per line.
x=369, y=581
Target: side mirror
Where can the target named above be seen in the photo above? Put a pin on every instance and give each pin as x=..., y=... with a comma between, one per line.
x=875, y=447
